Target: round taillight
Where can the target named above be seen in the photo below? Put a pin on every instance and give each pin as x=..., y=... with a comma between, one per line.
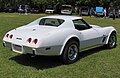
x=11, y=36
x=7, y=35
x=35, y=41
x=29, y=40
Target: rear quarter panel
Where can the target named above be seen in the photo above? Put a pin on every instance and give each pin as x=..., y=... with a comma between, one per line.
x=59, y=38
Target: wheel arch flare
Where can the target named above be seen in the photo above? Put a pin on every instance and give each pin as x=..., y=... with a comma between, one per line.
x=112, y=31
x=74, y=37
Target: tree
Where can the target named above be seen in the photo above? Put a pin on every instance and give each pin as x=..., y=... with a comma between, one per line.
x=115, y=3
x=42, y=4
x=94, y=3
x=85, y=2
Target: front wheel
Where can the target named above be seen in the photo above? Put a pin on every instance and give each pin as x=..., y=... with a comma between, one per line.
x=70, y=52
x=112, y=41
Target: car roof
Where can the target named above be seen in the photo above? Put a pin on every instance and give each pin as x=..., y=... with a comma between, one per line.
x=64, y=17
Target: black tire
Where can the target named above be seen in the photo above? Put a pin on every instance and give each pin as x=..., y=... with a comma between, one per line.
x=112, y=41
x=70, y=52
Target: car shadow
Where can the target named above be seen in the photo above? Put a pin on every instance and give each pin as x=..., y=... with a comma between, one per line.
x=90, y=52
x=46, y=62
x=38, y=62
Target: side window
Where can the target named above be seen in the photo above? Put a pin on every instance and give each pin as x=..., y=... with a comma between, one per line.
x=80, y=24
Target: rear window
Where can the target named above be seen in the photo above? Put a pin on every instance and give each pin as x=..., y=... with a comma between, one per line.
x=51, y=22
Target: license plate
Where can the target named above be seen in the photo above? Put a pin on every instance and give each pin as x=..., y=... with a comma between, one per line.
x=17, y=48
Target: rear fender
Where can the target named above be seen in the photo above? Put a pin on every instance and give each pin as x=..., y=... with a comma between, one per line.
x=66, y=40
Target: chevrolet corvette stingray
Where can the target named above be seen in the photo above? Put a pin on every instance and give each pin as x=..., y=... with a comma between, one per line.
x=59, y=35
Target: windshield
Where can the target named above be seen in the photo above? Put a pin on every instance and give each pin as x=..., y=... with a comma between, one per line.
x=66, y=7
x=51, y=22
x=50, y=8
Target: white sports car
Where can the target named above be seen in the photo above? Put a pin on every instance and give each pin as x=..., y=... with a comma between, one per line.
x=59, y=35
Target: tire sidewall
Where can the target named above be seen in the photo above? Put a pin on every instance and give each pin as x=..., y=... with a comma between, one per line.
x=65, y=57
x=108, y=45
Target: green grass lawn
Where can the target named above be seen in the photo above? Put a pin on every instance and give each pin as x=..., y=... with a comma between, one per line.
x=95, y=63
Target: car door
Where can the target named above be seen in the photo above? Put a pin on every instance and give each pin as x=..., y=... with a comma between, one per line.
x=90, y=37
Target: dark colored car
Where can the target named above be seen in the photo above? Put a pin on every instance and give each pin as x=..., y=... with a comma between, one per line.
x=1, y=9
x=35, y=10
x=85, y=10
x=10, y=9
x=115, y=11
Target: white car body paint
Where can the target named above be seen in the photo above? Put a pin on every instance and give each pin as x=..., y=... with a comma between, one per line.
x=52, y=40
x=49, y=11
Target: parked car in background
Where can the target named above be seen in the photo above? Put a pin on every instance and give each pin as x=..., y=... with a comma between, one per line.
x=85, y=10
x=119, y=12
x=49, y=11
x=10, y=9
x=34, y=10
x=1, y=9
x=60, y=35
x=116, y=11
x=66, y=9
x=99, y=11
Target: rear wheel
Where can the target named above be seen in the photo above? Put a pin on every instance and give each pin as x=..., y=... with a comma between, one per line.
x=112, y=41
x=70, y=52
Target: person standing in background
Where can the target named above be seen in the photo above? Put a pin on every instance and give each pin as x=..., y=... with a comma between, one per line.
x=80, y=11
x=26, y=9
x=105, y=13
x=20, y=9
x=109, y=10
x=114, y=16
x=91, y=11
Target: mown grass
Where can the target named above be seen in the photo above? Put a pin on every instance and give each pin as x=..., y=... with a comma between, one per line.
x=95, y=63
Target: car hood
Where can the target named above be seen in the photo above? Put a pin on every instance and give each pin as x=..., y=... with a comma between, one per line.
x=49, y=10
x=66, y=10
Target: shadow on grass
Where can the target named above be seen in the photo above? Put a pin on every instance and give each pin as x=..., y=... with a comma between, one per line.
x=39, y=62
x=45, y=62
x=90, y=52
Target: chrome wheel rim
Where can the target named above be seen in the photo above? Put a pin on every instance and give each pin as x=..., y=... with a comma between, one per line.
x=112, y=41
x=72, y=52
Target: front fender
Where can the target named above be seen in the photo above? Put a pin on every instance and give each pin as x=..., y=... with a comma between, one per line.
x=110, y=30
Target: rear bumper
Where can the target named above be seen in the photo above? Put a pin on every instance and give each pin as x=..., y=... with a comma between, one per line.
x=67, y=13
x=49, y=12
x=100, y=14
x=21, y=49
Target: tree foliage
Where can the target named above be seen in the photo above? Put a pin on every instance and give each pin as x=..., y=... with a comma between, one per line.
x=93, y=3
x=54, y=3
x=115, y=3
